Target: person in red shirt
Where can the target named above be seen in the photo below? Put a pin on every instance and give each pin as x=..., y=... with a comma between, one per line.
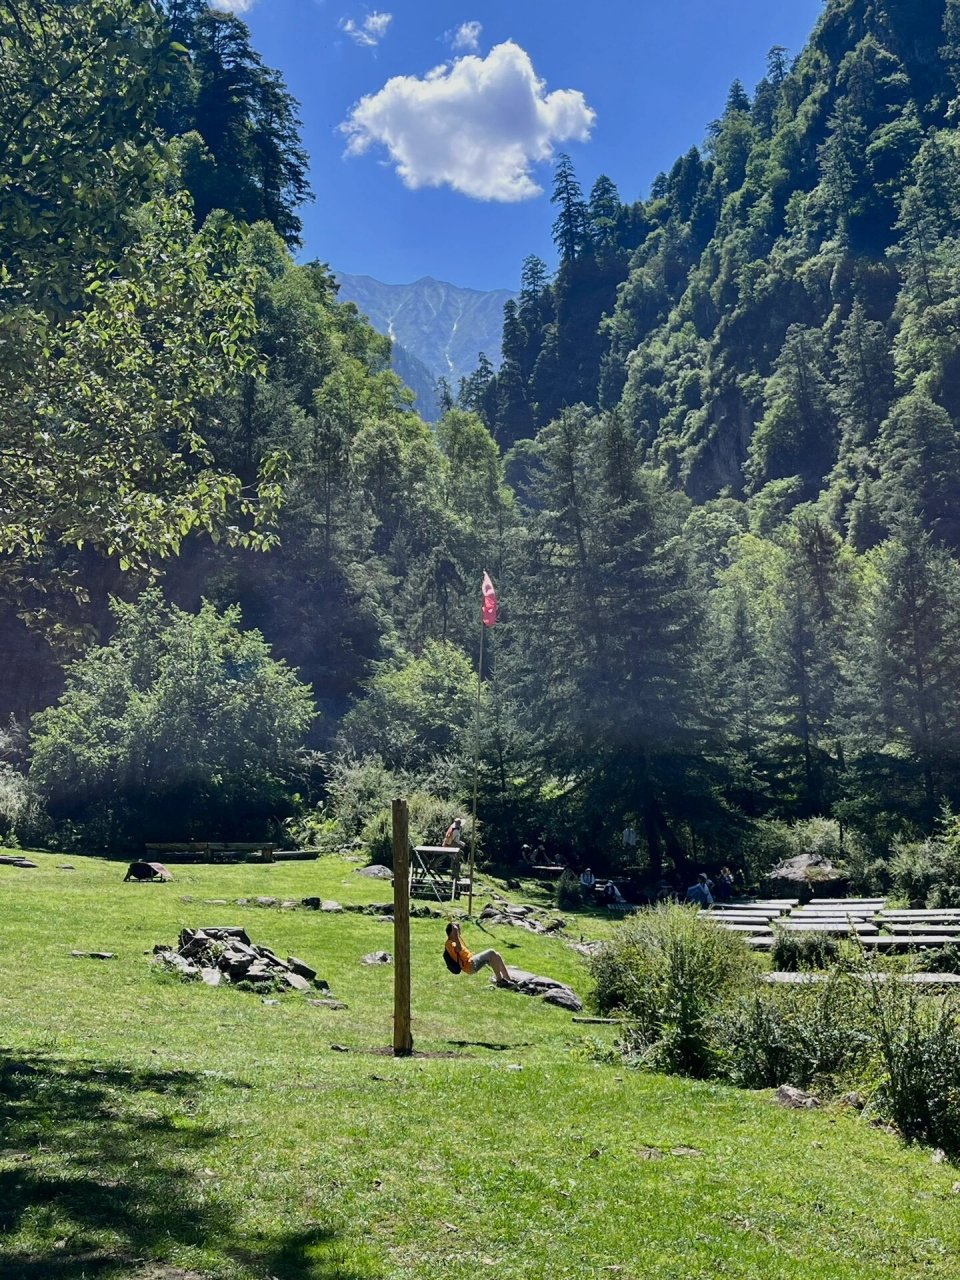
x=470, y=963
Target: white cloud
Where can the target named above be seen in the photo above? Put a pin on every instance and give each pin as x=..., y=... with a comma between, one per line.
x=232, y=6
x=369, y=32
x=477, y=125
x=467, y=35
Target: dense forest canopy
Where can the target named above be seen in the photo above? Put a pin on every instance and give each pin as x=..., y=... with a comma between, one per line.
x=715, y=478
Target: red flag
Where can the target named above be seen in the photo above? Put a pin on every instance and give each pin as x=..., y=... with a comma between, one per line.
x=488, y=610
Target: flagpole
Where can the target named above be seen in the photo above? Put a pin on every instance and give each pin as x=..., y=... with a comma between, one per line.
x=476, y=774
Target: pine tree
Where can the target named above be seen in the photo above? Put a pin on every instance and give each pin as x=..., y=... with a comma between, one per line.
x=603, y=215
x=252, y=163
x=477, y=393
x=809, y=639
x=738, y=100
x=279, y=160
x=864, y=387
x=570, y=230
x=777, y=65
x=914, y=613
x=797, y=435
x=514, y=419
x=919, y=466
x=445, y=400
x=841, y=161
x=610, y=626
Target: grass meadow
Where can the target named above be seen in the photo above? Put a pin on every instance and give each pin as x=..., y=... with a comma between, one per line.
x=156, y=1130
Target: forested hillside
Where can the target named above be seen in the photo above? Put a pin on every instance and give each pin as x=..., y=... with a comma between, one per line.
x=771, y=339
x=715, y=478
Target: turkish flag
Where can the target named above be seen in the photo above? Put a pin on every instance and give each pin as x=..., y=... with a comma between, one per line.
x=488, y=610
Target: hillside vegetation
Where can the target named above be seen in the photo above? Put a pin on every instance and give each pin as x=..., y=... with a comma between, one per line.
x=715, y=481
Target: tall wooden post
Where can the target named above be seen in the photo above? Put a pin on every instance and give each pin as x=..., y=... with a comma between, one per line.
x=476, y=776
x=402, y=1035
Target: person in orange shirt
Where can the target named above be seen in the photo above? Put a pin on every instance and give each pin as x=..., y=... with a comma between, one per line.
x=470, y=963
x=453, y=838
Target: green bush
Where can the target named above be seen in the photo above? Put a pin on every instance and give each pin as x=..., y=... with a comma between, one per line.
x=13, y=798
x=671, y=968
x=359, y=787
x=815, y=1033
x=793, y=952
x=927, y=872
x=314, y=829
x=569, y=894
x=918, y=1046
x=415, y=708
x=429, y=819
x=182, y=727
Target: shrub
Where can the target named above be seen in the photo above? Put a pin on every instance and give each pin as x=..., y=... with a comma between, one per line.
x=569, y=893
x=181, y=727
x=670, y=968
x=927, y=872
x=13, y=798
x=814, y=1033
x=918, y=1044
x=314, y=829
x=913, y=871
x=793, y=952
x=429, y=818
x=359, y=787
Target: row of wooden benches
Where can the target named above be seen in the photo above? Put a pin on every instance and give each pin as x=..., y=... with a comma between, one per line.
x=224, y=851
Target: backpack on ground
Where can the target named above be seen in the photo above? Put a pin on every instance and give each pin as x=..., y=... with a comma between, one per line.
x=449, y=961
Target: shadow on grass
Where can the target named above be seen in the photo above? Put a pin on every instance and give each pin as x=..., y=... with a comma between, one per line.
x=99, y=1181
x=496, y=1045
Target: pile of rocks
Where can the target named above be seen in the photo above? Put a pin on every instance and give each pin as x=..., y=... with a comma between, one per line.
x=520, y=917
x=226, y=954
x=547, y=989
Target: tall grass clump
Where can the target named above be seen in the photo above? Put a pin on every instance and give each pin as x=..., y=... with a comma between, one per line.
x=795, y=952
x=918, y=1046
x=812, y=1034
x=670, y=969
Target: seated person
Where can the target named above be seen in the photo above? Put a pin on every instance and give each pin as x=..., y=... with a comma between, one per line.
x=612, y=895
x=470, y=963
x=699, y=894
x=588, y=881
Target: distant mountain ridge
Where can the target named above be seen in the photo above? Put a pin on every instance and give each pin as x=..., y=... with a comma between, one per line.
x=438, y=329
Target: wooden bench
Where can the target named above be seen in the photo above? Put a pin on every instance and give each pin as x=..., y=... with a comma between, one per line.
x=210, y=851
x=911, y=979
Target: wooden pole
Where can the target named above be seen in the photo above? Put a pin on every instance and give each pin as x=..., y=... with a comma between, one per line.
x=476, y=773
x=402, y=1034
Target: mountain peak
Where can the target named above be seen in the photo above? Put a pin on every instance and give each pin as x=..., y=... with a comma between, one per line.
x=443, y=326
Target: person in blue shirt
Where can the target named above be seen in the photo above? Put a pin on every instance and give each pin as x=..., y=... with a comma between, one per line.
x=699, y=894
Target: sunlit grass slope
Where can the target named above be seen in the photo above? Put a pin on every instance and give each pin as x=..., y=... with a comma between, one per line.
x=155, y=1129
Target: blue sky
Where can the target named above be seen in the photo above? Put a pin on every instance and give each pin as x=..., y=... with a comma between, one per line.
x=624, y=86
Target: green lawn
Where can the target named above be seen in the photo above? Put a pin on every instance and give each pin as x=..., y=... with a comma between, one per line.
x=154, y=1129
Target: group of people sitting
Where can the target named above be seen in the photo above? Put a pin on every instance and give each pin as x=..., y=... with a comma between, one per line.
x=704, y=892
